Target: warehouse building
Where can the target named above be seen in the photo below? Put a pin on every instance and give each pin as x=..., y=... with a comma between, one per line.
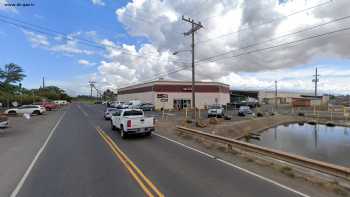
x=176, y=94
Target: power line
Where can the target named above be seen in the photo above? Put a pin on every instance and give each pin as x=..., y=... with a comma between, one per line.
x=287, y=43
x=264, y=23
x=262, y=49
x=276, y=38
x=51, y=32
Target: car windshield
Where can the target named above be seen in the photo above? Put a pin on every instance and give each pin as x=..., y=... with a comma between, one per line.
x=214, y=107
x=133, y=113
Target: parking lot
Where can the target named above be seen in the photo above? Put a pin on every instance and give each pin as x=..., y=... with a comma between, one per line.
x=20, y=142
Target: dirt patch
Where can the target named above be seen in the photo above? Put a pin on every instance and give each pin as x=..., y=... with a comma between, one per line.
x=239, y=129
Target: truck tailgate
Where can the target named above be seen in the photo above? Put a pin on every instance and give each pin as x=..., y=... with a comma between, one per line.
x=141, y=122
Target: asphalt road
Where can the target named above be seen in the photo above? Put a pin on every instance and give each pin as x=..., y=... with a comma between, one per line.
x=18, y=145
x=82, y=160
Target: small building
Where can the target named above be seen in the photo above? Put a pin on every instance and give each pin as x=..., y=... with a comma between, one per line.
x=309, y=101
x=269, y=97
x=176, y=94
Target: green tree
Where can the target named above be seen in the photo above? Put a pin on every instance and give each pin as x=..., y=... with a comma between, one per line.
x=11, y=73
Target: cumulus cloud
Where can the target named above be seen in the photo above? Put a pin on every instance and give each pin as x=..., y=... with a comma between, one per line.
x=230, y=26
x=290, y=79
x=98, y=2
x=125, y=64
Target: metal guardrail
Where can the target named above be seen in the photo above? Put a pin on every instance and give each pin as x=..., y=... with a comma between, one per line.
x=320, y=166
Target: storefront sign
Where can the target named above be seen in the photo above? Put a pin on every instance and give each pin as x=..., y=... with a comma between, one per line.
x=162, y=96
x=164, y=100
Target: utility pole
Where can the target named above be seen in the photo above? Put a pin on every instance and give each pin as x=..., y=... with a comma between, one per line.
x=276, y=94
x=195, y=27
x=316, y=80
x=92, y=84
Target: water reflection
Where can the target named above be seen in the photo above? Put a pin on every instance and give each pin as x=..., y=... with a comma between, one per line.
x=330, y=144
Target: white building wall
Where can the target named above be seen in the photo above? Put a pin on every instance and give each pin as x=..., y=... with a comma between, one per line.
x=146, y=97
x=202, y=99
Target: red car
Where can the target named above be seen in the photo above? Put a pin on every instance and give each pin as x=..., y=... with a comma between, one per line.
x=48, y=106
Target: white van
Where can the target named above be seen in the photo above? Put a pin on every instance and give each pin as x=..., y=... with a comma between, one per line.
x=133, y=104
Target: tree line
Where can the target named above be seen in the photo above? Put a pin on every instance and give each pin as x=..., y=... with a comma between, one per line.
x=11, y=89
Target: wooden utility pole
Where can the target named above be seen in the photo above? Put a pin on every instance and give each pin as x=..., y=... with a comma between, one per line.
x=195, y=27
x=92, y=84
x=316, y=80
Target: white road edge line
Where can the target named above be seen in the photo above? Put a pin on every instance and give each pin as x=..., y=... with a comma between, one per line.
x=29, y=169
x=234, y=166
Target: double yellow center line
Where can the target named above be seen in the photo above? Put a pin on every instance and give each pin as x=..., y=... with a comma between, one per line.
x=146, y=185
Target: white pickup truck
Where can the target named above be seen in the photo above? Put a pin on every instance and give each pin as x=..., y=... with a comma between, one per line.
x=132, y=121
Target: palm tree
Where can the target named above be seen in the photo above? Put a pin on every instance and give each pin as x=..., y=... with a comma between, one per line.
x=11, y=73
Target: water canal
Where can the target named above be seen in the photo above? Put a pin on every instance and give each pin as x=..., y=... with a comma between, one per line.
x=329, y=144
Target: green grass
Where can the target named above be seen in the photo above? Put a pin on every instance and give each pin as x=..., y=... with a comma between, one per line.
x=86, y=101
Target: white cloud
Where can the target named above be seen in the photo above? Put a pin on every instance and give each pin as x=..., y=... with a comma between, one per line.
x=229, y=25
x=125, y=64
x=290, y=79
x=67, y=45
x=70, y=47
x=86, y=63
x=98, y=2
x=37, y=39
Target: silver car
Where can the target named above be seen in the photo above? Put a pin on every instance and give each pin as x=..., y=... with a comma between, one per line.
x=108, y=113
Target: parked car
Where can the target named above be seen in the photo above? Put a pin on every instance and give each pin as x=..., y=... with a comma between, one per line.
x=3, y=121
x=118, y=104
x=48, y=105
x=108, y=113
x=132, y=121
x=146, y=106
x=28, y=109
x=244, y=110
x=216, y=111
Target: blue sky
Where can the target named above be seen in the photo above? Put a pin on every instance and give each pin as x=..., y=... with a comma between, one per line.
x=135, y=41
x=67, y=17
